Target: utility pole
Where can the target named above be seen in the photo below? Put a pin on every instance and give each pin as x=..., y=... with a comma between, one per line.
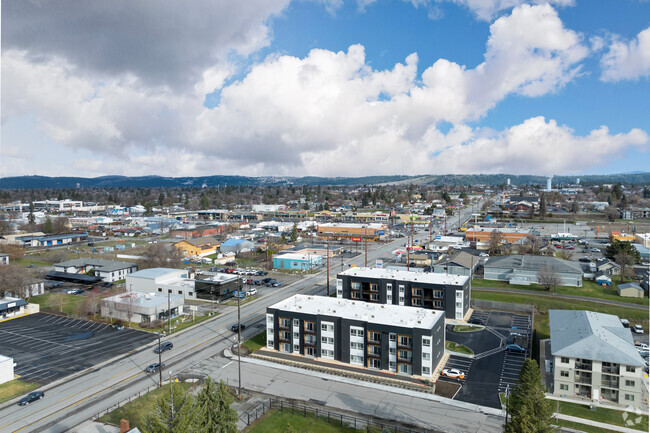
x=239, y=335
x=169, y=311
x=507, y=405
x=159, y=361
x=328, y=266
x=445, y=222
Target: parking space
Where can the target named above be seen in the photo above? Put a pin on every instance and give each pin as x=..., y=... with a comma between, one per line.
x=46, y=347
x=493, y=368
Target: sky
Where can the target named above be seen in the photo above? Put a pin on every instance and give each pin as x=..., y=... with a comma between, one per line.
x=324, y=87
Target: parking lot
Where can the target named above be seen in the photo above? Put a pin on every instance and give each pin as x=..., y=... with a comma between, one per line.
x=493, y=368
x=47, y=347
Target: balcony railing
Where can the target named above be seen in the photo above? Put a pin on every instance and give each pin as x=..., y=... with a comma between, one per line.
x=583, y=366
x=610, y=383
x=610, y=370
x=583, y=380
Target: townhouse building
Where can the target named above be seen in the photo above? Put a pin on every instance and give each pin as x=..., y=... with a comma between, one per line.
x=443, y=292
x=393, y=338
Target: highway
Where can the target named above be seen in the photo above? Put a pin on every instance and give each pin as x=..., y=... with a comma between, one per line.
x=74, y=400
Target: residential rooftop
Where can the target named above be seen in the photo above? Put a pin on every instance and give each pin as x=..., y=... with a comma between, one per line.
x=413, y=277
x=392, y=315
x=101, y=264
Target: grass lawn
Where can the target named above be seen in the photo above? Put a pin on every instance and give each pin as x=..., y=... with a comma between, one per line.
x=137, y=410
x=502, y=397
x=233, y=302
x=581, y=427
x=465, y=328
x=543, y=304
x=608, y=416
x=589, y=289
x=256, y=342
x=455, y=347
x=15, y=388
x=69, y=302
x=275, y=421
x=31, y=260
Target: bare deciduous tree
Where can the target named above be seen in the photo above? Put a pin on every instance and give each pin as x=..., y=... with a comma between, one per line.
x=548, y=278
x=56, y=300
x=625, y=261
x=566, y=254
x=15, y=280
x=161, y=256
x=15, y=251
x=495, y=241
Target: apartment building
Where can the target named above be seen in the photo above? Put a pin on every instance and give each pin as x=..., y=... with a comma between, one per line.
x=594, y=357
x=403, y=340
x=443, y=292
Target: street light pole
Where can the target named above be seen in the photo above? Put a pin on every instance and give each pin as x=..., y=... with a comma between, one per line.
x=159, y=362
x=239, y=334
x=328, y=266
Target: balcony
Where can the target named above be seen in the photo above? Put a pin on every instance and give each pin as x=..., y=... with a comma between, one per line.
x=610, y=383
x=610, y=370
x=583, y=366
x=310, y=341
x=583, y=379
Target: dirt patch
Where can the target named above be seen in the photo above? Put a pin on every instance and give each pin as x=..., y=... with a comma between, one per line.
x=446, y=389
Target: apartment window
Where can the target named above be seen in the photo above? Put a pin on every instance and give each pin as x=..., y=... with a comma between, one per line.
x=374, y=297
x=269, y=319
x=285, y=335
x=405, y=368
x=426, y=356
x=564, y=387
x=401, y=289
x=296, y=323
x=285, y=347
x=426, y=371
x=629, y=383
x=405, y=355
x=356, y=346
x=416, y=302
x=296, y=348
x=327, y=340
x=401, y=299
x=296, y=335
x=389, y=286
x=309, y=351
x=459, y=294
x=630, y=369
x=355, y=359
x=629, y=397
x=325, y=353
x=190, y=293
x=355, y=285
x=405, y=341
x=416, y=292
x=310, y=326
x=374, y=350
x=437, y=293
x=459, y=305
x=310, y=339
x=374, y=336
x=564, y=360
x=339, y=293
x=160, y=289
x=374, y=363
x=355, y=295
x=326, y=327
x=285, y=323
x=389, y=297
x=437, y=304
x=392, y=365
x=374, y=287
x=426, y=342
x=269, y=343
x=356, y=332
x=392, y=337
x=392, y=351
x=170, y=290
x=564, y=373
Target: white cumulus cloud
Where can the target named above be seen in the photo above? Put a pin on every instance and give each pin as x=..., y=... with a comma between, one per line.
x=626, y=60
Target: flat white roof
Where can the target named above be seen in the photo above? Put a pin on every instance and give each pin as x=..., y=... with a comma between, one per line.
x=297, y=256
x=354, y=225
x=413, y=277
x=393, y=315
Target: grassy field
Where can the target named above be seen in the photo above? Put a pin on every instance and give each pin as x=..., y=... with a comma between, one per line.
x=543, y=304
x=68, y=302
x=581, y=427
x=31, y=260
x=137, y=410
x=275, y=421
x=464, y=328
x=590, y=289
x=608, y=416
x=256, y=343
x=15, y=388
x=455, y=347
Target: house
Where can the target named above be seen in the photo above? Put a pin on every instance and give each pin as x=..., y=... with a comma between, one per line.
x=136, y=307
x=392, y=338
x=594, y=357
x=198, y=231
x=6, y=369
x=12, y=307
x=4, y=259
x=460, y=263
x=202, y=246
x=236, y=246
x=608, y=267
x=108, y=271
x=447, y=293
x=297, y=261
x=630, y=290
x=524, y=269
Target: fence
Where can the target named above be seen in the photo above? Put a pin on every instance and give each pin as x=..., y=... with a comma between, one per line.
x=504, y=306
x=331, y=417
x=123, y=402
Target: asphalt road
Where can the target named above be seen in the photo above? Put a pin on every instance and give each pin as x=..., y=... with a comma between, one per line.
x=76, y=399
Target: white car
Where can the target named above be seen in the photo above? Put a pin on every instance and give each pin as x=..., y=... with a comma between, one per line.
x=251, y=292
x=484, y=255
x=453, y=373
x=638, y=329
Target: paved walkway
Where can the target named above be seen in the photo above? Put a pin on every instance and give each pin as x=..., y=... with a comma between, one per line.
x=596, y=424
x=563, y=296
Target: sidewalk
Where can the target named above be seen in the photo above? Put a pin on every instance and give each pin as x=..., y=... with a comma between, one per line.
x=595, y=423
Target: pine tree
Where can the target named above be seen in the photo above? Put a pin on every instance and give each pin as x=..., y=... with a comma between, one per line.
x=31, y=219
x=542, y=205
x=173, y=412
x=213, y=412
x=47, y=226
x=294, y=233
x=528, y=407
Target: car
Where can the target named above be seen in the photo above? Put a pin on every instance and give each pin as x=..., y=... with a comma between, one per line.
x=32, y=266
x=625, y=323
x=641, y=346
x=235, y=327
x=277, y=284
x=251, y=292
x=167, y=345
x=638, y=329
x=569, y=247
x=515, y=348
x=153, y=368
x=584, y=260
x=558, y=246
x=31, y=397
x=477, y=321
x=453, y=373
x=595, y=250
x=266, y=280
x=75, y=292
x=118, y=327
x=270, y=282
x=484, y=255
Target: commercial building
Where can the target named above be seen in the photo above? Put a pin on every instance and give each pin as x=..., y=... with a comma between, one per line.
x=162, y=280
x=506, y=234
x=236, y=246
x=268, y=207
x=50, y=240
x=6, y=369
x=525, y=270
x=107, y=270
x=351, y=231
x=11, y=307
x=643, y=239
x=216, y=286
x=197, y=231
x=297, y=261
x=397, y=339
x=138, y=307
x=442, y=292
x=622, y=237
x=594, y=357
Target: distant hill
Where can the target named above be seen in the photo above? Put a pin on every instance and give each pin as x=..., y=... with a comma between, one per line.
x=38, y=182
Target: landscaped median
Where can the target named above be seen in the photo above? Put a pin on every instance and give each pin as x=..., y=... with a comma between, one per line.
x=467, y=328
x=15, y=388
x=458, y=348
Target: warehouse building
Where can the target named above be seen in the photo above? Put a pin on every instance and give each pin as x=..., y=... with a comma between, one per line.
x=443, y=292
x=524, y=270
x=397, y=339
x=135, y=307
x=6, y=369
x=297, y=261
x=354, y=232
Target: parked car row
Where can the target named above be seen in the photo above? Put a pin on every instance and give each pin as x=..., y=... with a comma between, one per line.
x=239, y=271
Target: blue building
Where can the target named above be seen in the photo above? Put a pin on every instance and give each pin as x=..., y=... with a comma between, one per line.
x=297, y=261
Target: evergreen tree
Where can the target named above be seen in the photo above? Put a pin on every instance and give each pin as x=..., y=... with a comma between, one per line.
x=527, y=405
x=542, y=205
x=173, y=412
x=213, y=412
x=31, y=219
x=48, y=226
x=294, y=233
